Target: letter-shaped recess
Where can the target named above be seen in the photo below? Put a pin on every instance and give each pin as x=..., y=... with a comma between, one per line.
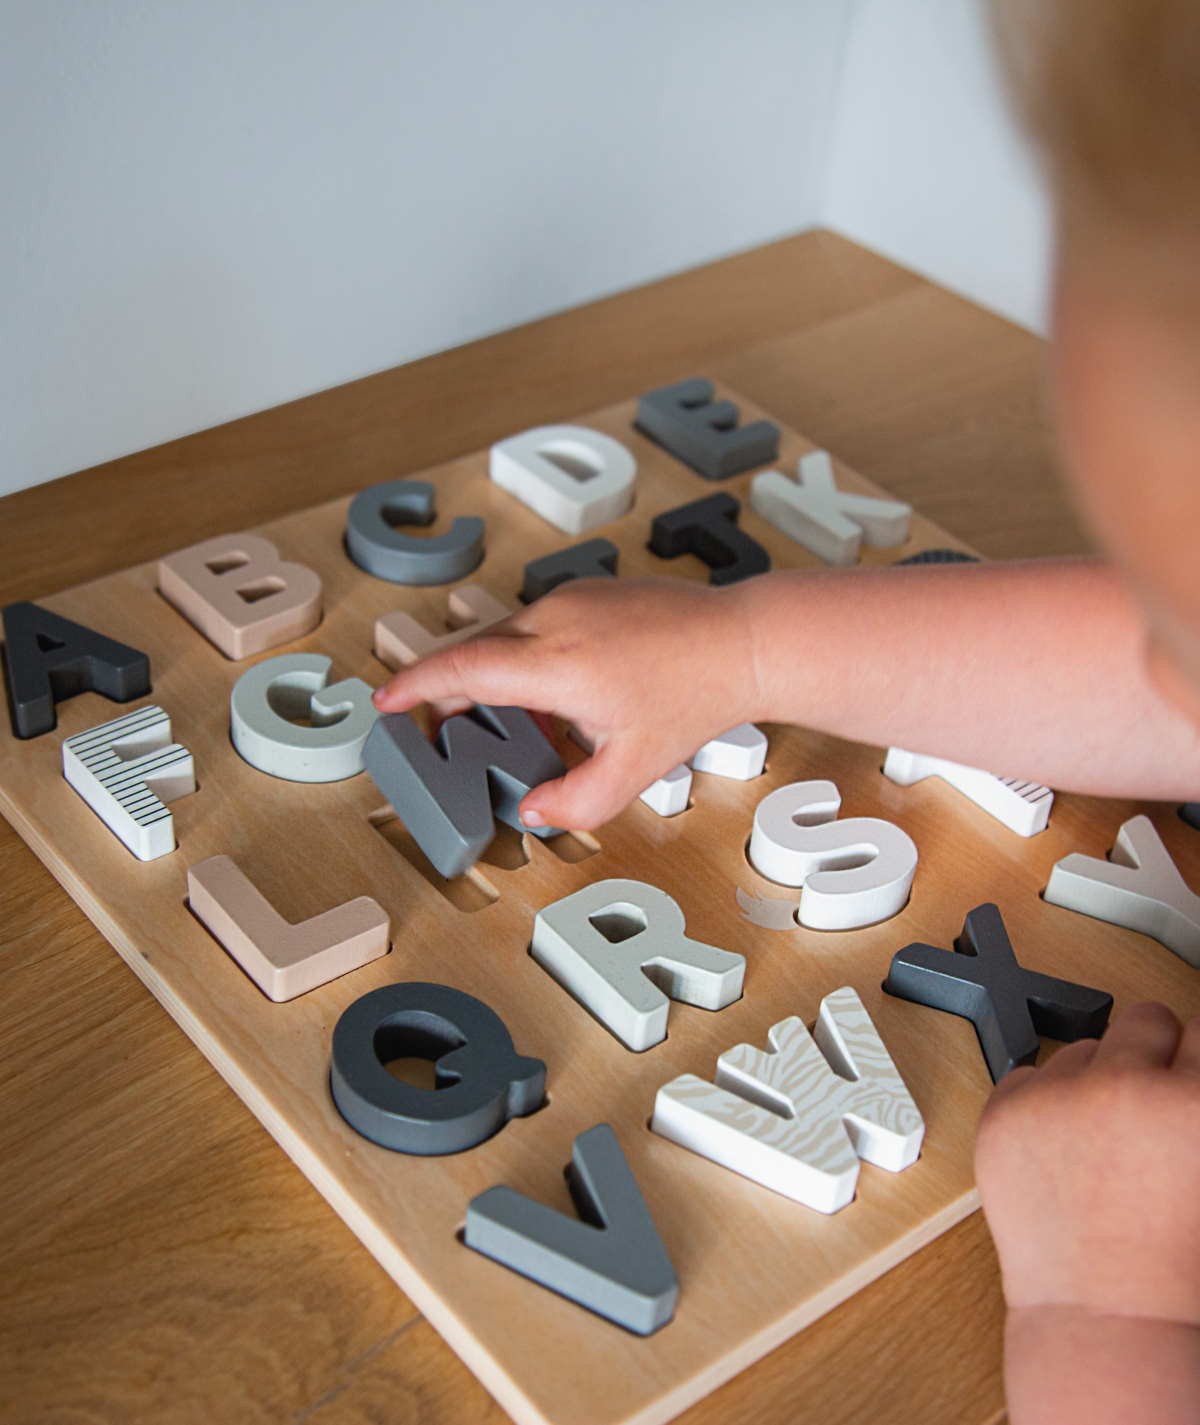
x=575, y=478
x=401, y=640
x=708, y=529
x=831, y=523
x=854, y=872
x=48, y=658
x=482, y=1081
x=612, y=1261
x=267, y=699
x=375, y=545
x=619, y=948
x=240, y=595
x=1009, y=1005
x=284, y=960
x=1024, y=807
x=126, y=770
x=798, y=1117
x=593, y=559
x=450, y=792
x=703, y=433
x=1138, y=887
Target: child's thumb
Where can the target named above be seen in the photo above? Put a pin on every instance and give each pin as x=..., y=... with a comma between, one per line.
x=588, y=796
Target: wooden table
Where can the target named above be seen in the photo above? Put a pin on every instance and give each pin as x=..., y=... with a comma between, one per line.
x=162, y=1259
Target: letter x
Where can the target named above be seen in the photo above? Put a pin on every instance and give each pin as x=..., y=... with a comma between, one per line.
x=1009, y=1005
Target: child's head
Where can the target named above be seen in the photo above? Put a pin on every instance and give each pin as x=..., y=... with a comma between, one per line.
x=1110, y=90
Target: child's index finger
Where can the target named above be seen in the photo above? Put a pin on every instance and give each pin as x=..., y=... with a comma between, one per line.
x=495, y=670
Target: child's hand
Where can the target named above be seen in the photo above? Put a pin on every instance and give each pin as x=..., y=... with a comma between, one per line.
x=1088, y=1170
x=647, y=670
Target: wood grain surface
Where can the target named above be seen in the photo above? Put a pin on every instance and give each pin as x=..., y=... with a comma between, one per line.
x=163, y=1259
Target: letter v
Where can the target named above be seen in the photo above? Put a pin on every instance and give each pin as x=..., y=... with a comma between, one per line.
x=612, y=1261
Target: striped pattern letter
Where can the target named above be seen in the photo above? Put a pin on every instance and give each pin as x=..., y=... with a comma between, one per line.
x=126, y=770
x=1024, y=807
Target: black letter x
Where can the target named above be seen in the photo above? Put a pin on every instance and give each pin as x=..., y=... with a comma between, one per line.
x=1008, y=1005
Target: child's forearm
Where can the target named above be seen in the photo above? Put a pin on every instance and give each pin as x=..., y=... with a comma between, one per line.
x=1066, y=1364
x=1030, y=670
x=1034, y=669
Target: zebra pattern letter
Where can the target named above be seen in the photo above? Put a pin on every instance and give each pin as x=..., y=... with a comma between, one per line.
x=798, y=1117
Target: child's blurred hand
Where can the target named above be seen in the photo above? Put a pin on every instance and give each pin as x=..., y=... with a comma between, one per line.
x=647, y=671
x=1088, y=1169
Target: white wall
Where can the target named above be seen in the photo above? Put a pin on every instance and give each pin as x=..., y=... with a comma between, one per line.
x=926, y=164
x=211, y=206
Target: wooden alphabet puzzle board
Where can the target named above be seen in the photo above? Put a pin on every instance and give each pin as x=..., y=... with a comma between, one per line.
x=753, y=1267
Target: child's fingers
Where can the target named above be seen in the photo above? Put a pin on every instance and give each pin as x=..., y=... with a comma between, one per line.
x=588, y=796
x=1010, y=1083
x=498, y=670
x=1070, y=1060
x=546, y=724
x=1144, y=1036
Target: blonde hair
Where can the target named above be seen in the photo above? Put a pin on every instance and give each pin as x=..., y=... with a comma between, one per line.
x=1110, y=90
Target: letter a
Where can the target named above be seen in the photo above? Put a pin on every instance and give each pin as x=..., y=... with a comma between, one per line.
x=49, y=658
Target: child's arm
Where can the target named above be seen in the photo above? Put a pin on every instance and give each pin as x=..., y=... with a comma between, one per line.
x=1088, y=1170
x=1035, y=670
